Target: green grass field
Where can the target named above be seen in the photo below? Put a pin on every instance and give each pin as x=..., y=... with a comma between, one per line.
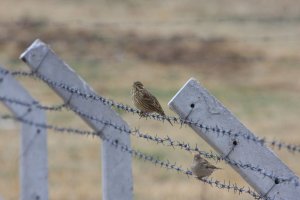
x=246, y=53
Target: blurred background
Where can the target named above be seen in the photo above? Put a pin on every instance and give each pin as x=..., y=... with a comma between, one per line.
x=246, y=53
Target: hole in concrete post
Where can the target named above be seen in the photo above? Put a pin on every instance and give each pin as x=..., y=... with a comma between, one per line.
x=24, y=59
x=277, y=181
x=192, y=105
x=234, y=142
x=116, y=142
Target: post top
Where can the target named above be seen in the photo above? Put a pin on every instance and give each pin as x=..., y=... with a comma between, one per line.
x=35, y=53
x=191, y=80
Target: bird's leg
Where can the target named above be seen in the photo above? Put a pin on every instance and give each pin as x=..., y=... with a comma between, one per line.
x=142, y=114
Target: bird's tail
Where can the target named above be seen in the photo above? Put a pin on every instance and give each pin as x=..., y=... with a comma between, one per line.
x=163, y=114
x=169, y=121
x=215, y=168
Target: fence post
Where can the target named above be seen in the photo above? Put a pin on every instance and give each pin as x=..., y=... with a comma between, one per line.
x=195, y=103
x=33, y=151
x=116, y=166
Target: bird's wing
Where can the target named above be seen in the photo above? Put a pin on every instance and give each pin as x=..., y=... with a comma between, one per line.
x=152, y=102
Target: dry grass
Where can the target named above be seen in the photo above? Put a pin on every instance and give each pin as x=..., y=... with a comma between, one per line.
x=245, y=52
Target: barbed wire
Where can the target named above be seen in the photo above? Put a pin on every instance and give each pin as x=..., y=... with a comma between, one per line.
x=34, y=103
x=183, y=145
x=215, y=129
x=167, y=141
x=205, y=128
x=137, y=154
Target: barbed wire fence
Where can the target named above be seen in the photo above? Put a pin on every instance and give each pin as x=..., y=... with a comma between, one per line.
x=166, y=141
x=74, y=93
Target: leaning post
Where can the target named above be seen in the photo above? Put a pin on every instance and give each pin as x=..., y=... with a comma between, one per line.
x=195, y=104
x=116, y=167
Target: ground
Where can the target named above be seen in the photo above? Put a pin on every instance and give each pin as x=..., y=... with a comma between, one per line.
x=245, y=52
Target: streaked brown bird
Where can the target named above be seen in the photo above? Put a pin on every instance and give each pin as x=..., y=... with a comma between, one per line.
x=201, y=167
x=145, y=101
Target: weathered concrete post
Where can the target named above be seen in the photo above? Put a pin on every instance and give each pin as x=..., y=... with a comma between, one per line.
x=195, y=103
x=116, y=166
x=33, y=151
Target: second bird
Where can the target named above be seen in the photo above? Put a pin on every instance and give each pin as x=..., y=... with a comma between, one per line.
x=201, y=167
x=145, y=101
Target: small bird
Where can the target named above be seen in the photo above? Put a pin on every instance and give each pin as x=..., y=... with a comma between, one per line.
x=145, y=101
x=201, y=167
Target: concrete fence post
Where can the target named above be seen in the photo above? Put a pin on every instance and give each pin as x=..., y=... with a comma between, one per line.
x=194, y=103
x=116, y=166
x=33, y=151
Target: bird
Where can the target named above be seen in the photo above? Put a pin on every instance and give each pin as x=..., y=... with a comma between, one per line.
x=201, y=167
x=145, y=101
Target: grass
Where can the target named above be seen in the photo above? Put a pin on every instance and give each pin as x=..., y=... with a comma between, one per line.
x=240, y=50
